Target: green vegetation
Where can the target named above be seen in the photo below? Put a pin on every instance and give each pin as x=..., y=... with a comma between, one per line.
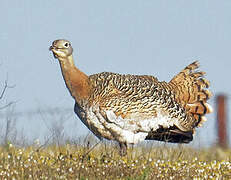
x=103, y=162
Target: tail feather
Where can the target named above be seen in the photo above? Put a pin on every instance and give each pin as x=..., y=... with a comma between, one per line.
x=191, y=92
x=199, y=108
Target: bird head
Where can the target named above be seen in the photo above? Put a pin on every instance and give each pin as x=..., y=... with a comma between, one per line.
x=61, y=48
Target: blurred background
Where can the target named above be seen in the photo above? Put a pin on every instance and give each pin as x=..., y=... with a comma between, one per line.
x=156, y=38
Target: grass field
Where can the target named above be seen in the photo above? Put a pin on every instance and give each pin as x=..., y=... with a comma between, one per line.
x=103, y=162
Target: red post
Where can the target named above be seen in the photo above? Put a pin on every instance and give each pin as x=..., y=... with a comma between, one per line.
x=222, y=120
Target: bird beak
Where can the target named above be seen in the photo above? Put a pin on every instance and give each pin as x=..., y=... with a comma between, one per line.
x=52, y=49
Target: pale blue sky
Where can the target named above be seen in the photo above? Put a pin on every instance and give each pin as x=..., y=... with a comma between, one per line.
x=150, y=37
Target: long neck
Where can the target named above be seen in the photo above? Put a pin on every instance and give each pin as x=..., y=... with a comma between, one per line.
x=76, y=81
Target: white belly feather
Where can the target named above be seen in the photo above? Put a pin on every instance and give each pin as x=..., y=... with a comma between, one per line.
x=132, y=130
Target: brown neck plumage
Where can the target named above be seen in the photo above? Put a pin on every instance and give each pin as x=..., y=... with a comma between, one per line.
x=76, y=81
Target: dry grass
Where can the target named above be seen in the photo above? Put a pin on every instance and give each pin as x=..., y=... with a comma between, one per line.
x=103, y=162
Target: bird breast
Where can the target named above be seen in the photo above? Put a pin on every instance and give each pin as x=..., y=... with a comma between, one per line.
x=133, y=129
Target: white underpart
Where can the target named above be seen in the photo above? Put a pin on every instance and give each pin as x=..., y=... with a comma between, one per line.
x=93, y=123
x=132, y=130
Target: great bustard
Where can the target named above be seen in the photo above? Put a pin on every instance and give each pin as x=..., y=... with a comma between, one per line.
x=133, y=108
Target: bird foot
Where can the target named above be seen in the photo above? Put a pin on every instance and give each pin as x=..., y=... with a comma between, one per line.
x=123, y=149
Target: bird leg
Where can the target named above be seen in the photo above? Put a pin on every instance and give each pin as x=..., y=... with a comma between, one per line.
x=123, y=149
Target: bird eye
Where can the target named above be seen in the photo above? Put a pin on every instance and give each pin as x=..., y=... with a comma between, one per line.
x=66, y=44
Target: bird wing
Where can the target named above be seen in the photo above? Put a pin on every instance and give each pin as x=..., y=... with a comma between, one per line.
x=124, y=94
x=131, y=101
x=166, y=111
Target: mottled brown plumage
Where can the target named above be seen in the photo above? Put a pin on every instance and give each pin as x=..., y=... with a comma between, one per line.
x=131, y=108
